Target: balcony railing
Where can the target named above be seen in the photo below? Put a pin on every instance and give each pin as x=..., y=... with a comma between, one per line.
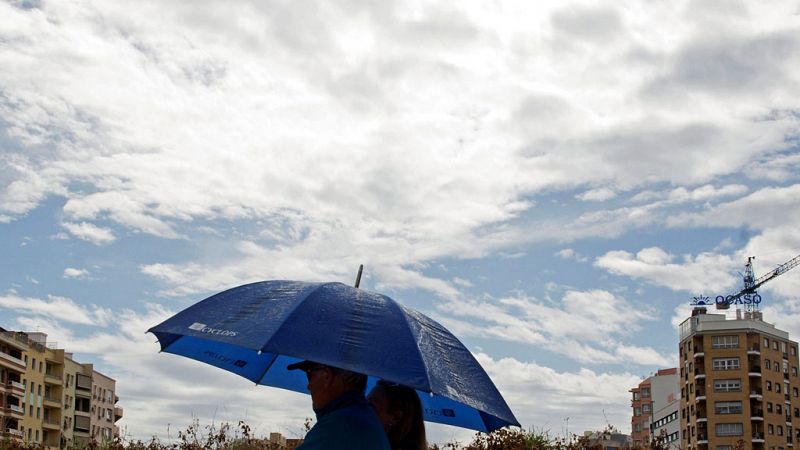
x=13, y=359
x=17, y=384
x=14, y=432
x=16, y=408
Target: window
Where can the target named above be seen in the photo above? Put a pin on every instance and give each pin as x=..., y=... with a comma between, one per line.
x=646, y=392
x=38, y=412
x=728, y=407
x=777, y=367
x=724, y=447
x=778, y=409
x=636, y=395
x=767, y=364
x=795, y=392
x=727, y=385
x=725, y=341
x=774, y=345
x=797, y=414
x=729, y=429
x=646, y=408
x=793, y=350
x=40, y=367
x=725, y=363
x=33, y=363
x=794, y=371
x=770, y=429
x=637, y=411
x=780, y=430
x=769, y=385
x=766, y=343
x=778, y=388
x=769, y=407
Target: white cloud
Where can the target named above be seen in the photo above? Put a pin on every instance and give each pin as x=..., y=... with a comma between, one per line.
x=597, y=195
x=71, y=272
x=444, y=144
x=90, y=232
x=54, y=307
x=568, y=253
x=766, y=208
x=587, y=326
x=584, y=396
x=704, y=273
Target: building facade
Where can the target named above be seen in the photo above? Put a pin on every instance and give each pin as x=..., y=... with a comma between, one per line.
x=739, y=383
x=47, y=397
x=655, y=403
x=12, y=387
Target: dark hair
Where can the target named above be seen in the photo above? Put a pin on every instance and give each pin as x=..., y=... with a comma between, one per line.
x=409, y=432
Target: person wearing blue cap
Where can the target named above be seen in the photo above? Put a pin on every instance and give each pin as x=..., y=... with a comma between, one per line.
x=345, y=420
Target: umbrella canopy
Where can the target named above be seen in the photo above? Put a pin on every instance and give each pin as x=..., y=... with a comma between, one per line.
x=258, y=329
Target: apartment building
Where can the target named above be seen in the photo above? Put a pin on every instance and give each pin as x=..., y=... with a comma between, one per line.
x=739, y=383
x=655, y=403
x=46, y=396
x=12, y=387
x=102, y=407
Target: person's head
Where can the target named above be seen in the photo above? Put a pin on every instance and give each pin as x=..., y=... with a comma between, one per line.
x=400, y=411
x=326, y=383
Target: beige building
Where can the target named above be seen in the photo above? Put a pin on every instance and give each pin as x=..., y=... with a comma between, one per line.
x=12, y=386
x=47, y=398
x=739, y=383
x=102, y=409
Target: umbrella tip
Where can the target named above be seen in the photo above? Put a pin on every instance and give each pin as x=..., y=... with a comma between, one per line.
x=358, y=276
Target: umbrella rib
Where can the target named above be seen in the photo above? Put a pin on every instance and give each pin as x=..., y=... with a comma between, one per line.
x=410, y=329
x=266, y=369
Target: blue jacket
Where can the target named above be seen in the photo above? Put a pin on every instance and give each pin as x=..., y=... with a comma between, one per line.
x=346, y=423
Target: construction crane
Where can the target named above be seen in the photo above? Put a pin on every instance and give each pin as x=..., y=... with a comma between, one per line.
x=748, y=296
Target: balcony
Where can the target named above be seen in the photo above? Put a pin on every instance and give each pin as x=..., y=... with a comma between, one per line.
x=51, y=424
x=15, y=409
x=699, y=375
x=51, y=401
x=699, y=355
x=52, y=379
x=754, y=350
x=754, y=371
x=17, y=363
x=16, y=385
x=117, y=413
x=14, y=432
x=702, y=439
x=757, y=415
x=756, y=394
x=758, y=438
x=700, y=396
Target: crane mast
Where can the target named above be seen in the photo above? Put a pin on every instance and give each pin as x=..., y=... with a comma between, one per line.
x=748, y=296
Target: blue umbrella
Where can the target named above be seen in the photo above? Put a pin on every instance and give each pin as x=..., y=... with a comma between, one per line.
x=258, y=329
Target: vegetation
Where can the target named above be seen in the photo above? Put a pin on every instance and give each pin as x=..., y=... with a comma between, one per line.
x=228, y=437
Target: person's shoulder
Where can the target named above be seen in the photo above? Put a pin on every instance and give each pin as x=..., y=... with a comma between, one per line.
x=356, y=427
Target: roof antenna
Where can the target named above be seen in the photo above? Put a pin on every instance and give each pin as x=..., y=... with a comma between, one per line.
x=358, y=277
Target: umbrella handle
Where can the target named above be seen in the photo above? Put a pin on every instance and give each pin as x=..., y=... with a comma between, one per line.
x=358, y=277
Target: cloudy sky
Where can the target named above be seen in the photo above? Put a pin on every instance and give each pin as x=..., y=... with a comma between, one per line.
x=551, y=180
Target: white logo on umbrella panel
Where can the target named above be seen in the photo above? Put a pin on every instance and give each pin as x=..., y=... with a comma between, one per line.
x=201, y=327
